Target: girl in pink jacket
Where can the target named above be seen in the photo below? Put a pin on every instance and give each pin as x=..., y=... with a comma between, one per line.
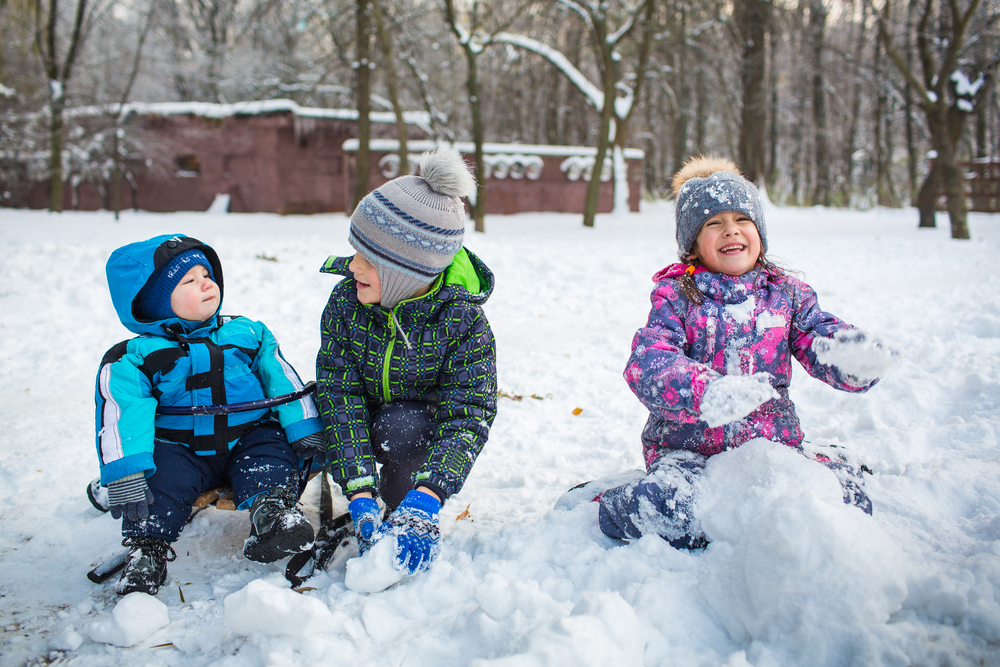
x=714, y=361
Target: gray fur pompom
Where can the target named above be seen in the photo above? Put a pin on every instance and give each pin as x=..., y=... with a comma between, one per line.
x=446, y=173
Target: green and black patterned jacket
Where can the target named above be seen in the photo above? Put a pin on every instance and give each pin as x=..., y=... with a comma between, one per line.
x=447, y=358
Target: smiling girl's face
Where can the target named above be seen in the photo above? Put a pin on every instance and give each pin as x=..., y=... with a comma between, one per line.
x=728, y=243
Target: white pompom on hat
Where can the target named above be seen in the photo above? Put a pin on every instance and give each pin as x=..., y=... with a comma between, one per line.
x=410, y=228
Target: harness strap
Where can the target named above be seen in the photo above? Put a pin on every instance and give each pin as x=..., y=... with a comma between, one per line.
x=214, y=380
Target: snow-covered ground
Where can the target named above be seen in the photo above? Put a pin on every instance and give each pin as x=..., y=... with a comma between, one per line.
x=793, y=577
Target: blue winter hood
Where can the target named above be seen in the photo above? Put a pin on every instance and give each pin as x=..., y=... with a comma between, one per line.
x=132, y=266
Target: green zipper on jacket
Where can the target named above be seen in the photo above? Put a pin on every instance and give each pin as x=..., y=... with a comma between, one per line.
x=386, y=360
x=392, y=342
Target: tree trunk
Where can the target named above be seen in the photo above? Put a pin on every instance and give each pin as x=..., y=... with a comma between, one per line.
x=594, y=186
x=912, y=154
x=773, y=171
x=608, y=78
x=927, y=197
x=851, y=138
x=391, y=83
x=954, y=190
x=362, y=93
x=682, y=85
x=753, y=18
x=817, y=29
x=478, y=134
x=55, y=149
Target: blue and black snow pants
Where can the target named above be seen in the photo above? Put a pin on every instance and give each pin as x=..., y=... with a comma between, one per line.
x=662, y=502
x=401, y=434
x=260, y=461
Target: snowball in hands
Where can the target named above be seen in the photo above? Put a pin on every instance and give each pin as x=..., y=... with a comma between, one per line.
x=732, y=397
x=854, y=353
x=376, y=570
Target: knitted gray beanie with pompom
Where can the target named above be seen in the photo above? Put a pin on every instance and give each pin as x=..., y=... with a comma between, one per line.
x=410, y=228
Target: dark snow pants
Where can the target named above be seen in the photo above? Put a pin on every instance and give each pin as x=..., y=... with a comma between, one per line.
x=661, y=503
x=261, y=461
x=401, y=435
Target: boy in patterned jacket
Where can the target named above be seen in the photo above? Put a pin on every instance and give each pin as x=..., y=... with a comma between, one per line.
x=406, y=371
x=169, y=291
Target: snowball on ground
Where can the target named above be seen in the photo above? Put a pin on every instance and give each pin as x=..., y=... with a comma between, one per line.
x=134, y=618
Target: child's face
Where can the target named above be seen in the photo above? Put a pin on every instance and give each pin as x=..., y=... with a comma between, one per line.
x=196, y=297
x=728, y=243
x=369, y=286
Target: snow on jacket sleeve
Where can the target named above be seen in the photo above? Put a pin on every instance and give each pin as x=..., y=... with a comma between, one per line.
x=277, y=377
x=343, y=407
x=126, y=410
x=468, y=403
x=810, y=322
x=659, y=372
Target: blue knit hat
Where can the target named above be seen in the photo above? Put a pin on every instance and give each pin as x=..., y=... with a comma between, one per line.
x=154, y=300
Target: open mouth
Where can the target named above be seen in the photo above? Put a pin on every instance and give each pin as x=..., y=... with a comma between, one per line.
x=362, y=285
x=732, y=249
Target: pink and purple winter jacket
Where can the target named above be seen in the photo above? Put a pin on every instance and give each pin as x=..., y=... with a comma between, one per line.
x=754, y=323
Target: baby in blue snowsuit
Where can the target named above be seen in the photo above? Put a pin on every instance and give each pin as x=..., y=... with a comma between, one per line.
x=168, y=290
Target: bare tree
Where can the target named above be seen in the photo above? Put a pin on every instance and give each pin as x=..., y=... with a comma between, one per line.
x=391, y=81
x=614, y=111
x=817, y=30
x=59, y=55
x=946, y=96
x=752, y=18
x=362, y=94
x=473, y=39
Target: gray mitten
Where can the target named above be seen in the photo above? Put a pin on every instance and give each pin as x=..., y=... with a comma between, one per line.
x=311, y=446
x=130, y=497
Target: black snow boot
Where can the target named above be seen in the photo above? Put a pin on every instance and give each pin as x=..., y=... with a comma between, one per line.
x=146, y=568
x=277, y=527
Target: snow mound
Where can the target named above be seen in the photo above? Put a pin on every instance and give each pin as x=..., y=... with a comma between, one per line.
x=806, y=573
x=740, y=484
x=376, y=570
x=262, y=608
x=601, y=630
x=134, y=618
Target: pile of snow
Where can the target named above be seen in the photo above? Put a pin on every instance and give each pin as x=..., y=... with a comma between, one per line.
x=134, y=618
x=807, y=574
x=792, y=575
x=264, y=608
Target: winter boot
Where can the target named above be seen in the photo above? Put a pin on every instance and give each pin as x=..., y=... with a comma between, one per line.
x=277, y=527
x=146, y=568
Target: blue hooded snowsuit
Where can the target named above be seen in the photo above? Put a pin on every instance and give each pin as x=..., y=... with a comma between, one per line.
x=175, y=362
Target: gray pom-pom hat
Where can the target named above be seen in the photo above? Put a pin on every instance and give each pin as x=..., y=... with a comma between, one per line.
x=701, y=198
x=410, y=228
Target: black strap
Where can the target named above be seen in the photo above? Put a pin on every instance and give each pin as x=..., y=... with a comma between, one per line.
x=247, y=406
x=215, y=380
x=161, y=361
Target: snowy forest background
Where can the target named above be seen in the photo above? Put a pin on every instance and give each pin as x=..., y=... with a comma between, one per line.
x=826, y=102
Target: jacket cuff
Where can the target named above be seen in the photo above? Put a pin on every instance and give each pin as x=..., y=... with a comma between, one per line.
x=129, y=465
x=435, y=483
x=300, y=429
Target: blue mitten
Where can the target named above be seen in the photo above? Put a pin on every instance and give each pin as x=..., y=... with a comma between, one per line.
x=415, y=527
x=130, y=496
x=366, y=516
